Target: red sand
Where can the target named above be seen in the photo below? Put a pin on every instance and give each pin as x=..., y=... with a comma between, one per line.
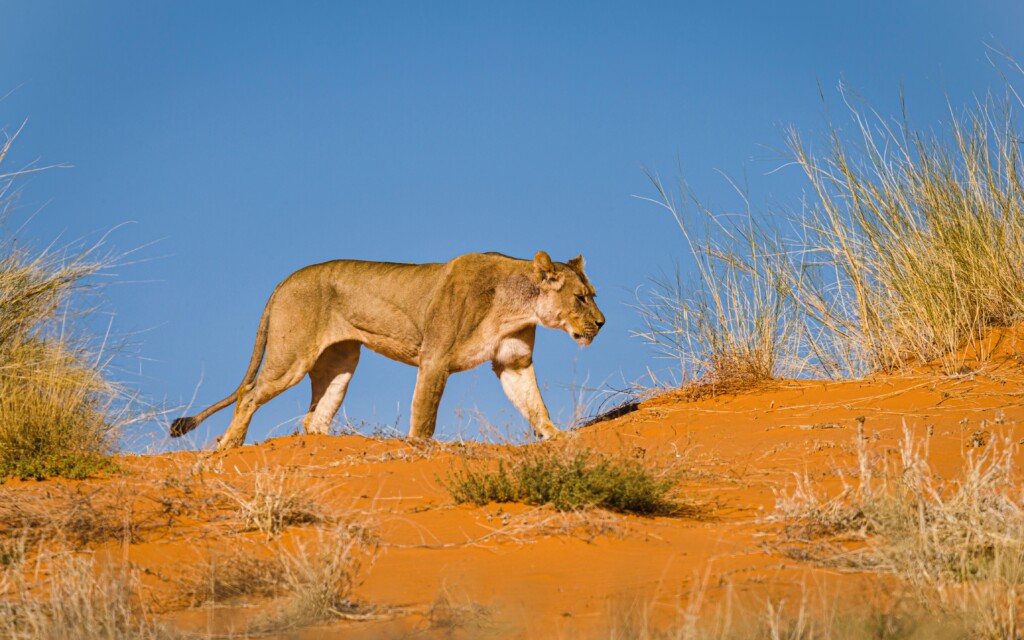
x=444, y=570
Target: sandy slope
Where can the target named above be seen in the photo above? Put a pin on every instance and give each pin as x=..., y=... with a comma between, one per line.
x=443, y=570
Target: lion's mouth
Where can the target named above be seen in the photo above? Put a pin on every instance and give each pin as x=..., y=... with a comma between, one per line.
x=583, y=338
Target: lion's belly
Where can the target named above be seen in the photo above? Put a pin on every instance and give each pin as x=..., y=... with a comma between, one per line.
x=471, y=354
x=394, y=349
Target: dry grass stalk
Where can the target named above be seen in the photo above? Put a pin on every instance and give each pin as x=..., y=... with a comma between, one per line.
x=79, y=602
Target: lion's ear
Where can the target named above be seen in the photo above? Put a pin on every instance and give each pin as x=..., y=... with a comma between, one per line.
x=576, y=263
x=545, y=271
x=542, y=263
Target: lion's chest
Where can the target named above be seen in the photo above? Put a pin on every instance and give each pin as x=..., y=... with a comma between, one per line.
x=471, y=354
x=508, y=347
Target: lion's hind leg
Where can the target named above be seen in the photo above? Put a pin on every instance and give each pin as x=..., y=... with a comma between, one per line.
x=329, y=378
x=269, y=384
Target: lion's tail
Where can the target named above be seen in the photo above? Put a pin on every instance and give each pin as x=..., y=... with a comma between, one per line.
x=181, y=426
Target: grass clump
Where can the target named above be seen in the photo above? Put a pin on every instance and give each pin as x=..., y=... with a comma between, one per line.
x=727, y=327
x=907, y=245
x=319, y=579
x=582, y=480
x=59, y=412
x=915, y=239
x=241, y=572
x=273, y=504
x=80, y=602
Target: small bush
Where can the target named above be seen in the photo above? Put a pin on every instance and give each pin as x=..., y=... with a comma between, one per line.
x=583, y=480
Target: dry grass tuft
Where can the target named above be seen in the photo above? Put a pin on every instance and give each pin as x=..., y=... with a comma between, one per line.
x=909, y=244
x=275, y=502
x=319, y=578
x=68, y=514
x=80, y=602
x=60, y=414
x=450, y=615
x=237, y=573
x=728, y=327
x=915, y=240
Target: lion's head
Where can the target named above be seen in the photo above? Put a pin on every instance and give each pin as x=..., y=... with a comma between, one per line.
x=566, y=299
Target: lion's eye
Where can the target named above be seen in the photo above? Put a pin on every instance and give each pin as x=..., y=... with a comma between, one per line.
x=582, y=298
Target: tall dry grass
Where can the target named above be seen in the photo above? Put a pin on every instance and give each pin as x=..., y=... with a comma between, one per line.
x=913, y=242
x=907, y=244
x=59, y=410
x=727, y=326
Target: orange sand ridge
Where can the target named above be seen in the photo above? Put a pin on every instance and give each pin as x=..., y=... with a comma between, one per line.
x=446, y=570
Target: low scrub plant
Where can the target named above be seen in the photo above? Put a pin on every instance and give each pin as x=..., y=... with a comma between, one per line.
x=568, y=482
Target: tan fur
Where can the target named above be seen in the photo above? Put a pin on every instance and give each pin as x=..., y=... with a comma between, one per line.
x=441, y=318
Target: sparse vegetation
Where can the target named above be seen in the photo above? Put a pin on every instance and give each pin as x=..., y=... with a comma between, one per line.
x=73, y=515
x=727, y=328
x=567, y=482
x=319, y=579
x=230, y=574
x=59, y=413
x=959, y=542
x=80, y=602
x=793, y=620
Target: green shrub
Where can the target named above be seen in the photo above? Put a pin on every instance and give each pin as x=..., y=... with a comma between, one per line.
x=585, y=479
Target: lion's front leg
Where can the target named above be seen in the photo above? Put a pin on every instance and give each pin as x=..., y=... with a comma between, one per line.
x=520, y=385
x=430, y=382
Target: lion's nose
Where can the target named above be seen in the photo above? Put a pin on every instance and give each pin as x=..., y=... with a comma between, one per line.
x=600, y=323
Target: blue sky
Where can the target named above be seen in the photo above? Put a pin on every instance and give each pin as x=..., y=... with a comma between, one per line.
x=251, y=139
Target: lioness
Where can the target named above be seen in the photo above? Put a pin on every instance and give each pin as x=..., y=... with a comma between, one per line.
x=441, y=318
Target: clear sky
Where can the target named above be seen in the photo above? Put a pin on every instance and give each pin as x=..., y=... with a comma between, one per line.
x=250, y=139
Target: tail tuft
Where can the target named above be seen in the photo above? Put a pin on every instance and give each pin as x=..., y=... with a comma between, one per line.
x=181, y=426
